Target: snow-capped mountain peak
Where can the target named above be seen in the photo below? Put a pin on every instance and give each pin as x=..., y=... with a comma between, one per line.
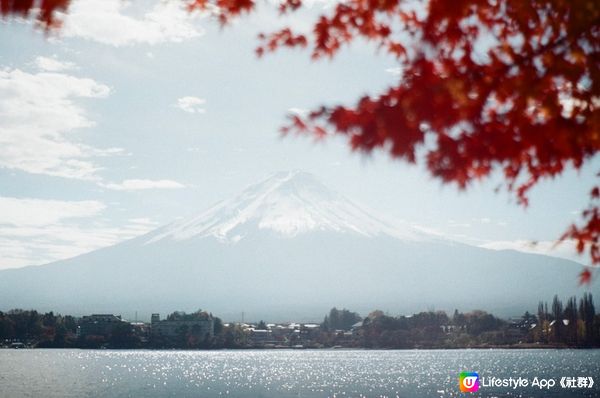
x=287, y=245
x=287, y=203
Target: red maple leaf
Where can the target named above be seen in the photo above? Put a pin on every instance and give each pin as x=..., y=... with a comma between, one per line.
x=585, y=277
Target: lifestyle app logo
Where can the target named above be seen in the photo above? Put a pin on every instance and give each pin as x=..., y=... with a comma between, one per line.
x=468, y=381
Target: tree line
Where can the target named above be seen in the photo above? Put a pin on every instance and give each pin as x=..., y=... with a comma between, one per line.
x=572, y=323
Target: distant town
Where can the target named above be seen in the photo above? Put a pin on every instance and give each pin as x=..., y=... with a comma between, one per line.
x=570, y=324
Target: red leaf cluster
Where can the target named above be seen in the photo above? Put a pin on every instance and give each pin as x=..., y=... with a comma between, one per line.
x=585, y=277
x=45, y=10
x=224, y=9
x=486, y=85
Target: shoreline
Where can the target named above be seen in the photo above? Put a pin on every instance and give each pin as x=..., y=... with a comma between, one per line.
x=489, y=348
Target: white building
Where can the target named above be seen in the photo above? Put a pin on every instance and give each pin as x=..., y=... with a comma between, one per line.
x=199, y=324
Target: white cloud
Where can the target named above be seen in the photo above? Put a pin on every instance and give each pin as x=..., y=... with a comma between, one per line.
x=37, y=231
x=113, y=22
x=35, y=212
x=458, y=224
x=53, y=64
x=141, y=184
x=397, y=71
x=143, y=221
x=196, y=149
x=299, y=111
x=37, y=118
x=191, y=104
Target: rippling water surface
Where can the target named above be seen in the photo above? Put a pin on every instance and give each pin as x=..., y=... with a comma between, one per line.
x=301, y=373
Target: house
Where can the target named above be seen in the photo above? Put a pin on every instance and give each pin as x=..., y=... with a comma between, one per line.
x=142, y=331
x=261, y=337
x=98, y=325
x=177, y=324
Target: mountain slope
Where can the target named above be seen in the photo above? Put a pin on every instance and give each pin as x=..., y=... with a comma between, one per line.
x=288, y=248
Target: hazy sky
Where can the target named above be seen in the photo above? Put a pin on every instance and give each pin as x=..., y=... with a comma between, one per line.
x=134, y=115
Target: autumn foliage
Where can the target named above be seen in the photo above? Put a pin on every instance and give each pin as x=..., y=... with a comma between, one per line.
x=45, y=10
x=485, y=86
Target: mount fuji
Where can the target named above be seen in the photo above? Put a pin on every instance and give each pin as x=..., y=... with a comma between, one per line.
x=289, y=248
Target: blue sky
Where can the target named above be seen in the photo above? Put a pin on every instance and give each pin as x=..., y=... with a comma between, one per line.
x=136, y=114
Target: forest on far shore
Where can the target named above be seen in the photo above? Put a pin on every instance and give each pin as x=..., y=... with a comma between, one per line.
x=561, y=324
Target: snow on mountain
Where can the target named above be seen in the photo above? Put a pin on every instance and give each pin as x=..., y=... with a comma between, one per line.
x=290, y=204
x=289, y=248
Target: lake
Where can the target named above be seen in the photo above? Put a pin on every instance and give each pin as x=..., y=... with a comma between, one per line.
x=287, y=373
